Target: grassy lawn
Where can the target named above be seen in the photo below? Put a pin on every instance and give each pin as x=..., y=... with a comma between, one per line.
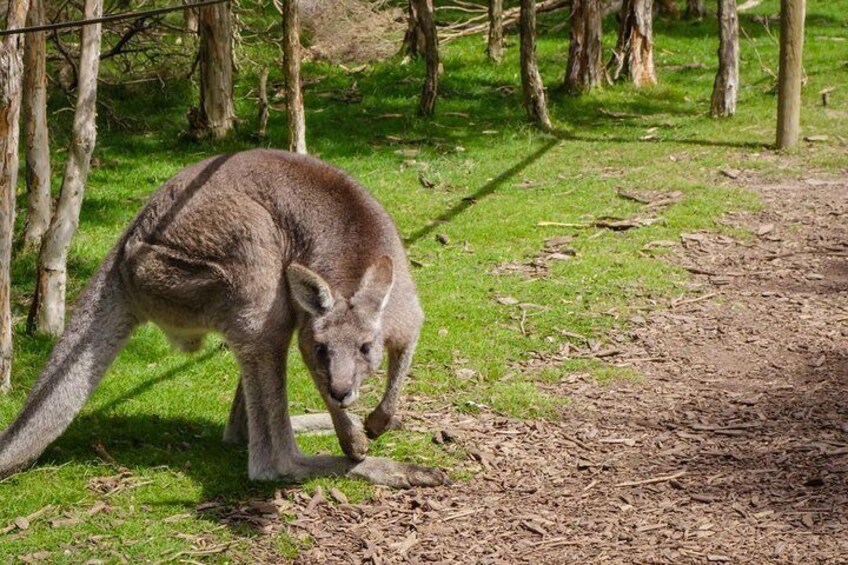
x=160, y=414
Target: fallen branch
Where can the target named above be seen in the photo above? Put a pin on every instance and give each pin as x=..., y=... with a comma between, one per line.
x=614, y=224
x=679, y=303
x=652, y=481
x=744, y=7
x=510, y=19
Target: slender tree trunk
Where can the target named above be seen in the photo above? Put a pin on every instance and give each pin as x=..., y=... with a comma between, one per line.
x=695, y=9
x=413, y=39
x=634, y=51
x=48, y=309
x=531, y=80
x=726, y=86
x=263, y=104
x=37, y=137
x=496, y=35
x=291, y=62
x=789, y=77
x=585, y=70
x=217, y=111
x=11, y=70
x=431, y=54
x=190, y=15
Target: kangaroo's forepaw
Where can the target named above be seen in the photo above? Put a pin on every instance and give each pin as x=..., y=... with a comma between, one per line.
x=354, y=442
x=382, y=471
x=378, y=422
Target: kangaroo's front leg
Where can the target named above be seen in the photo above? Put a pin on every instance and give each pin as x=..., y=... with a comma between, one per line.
x=383, y=417
x=349, y=430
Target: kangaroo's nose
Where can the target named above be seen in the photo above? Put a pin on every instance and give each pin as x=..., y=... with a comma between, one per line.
x=344, y=396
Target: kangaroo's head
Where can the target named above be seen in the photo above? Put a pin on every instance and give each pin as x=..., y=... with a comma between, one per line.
x=341, y=338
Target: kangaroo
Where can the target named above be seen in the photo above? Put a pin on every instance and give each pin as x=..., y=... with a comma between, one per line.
x=255, y=246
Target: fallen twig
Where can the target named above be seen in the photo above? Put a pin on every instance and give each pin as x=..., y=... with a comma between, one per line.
x=653, y=480
x=679, y=303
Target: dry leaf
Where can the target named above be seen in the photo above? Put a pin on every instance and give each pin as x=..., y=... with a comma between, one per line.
x=765, y=229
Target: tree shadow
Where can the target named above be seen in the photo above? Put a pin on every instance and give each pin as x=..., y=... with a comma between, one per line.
x=783, y=451
x=484, y=191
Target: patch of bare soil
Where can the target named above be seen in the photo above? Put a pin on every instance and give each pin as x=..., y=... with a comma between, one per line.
x=733, y=447
x=352, y=31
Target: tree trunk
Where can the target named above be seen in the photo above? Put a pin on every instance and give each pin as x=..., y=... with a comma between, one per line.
x=413, y=39
x=496, y=35
x=291, y=62
x=431, y=54
x=48, y=309
x=37, y=137
x=633, y=57
x=531, y=80
x=789, y=76
x=217, y=112
x=11, y=69
x=695, y=9
x=263, y=104
x=585, y=70
x=190, y=15
x=726, y=86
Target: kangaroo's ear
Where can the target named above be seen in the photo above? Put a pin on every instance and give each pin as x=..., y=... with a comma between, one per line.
x=376, y=284
x=310, y=291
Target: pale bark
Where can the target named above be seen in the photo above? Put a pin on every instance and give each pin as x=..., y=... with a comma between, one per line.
x=217, y=111
x=37, y=137
x=495, y=45
x=789, y=78
x=431, y=54
x=48, y=310
x=633, y=57
x=695, y=9
x=291, y=62
x=585, y=70
x=190, y=16
x=726, y=85
x=531, y=80
x=263, y=104
x=11, y=70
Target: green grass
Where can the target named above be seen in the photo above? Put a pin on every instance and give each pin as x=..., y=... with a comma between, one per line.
x=161, y=414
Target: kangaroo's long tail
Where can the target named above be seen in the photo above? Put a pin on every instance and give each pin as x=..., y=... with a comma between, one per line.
x=97, y=331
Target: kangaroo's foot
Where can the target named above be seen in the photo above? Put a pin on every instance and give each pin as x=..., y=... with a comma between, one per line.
x=382, y=471
x=375, y=470
x=379, y=421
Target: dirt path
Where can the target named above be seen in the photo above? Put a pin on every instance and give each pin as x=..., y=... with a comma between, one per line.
x=733, y=447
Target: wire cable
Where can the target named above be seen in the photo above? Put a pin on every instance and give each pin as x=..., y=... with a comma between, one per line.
x=110, y=18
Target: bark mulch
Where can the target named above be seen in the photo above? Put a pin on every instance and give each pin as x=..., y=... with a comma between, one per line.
x=731, y=448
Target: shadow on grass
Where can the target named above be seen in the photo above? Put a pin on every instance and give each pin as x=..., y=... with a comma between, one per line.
x=149, y=384
x=487, y=189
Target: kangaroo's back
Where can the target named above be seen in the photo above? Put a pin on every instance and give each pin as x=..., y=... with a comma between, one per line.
x=315, y=213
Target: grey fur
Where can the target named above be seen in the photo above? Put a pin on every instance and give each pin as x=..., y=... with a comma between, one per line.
x=255, y=246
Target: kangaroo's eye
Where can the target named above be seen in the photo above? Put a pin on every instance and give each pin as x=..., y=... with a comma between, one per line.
x=365, y=348
x=321, y=350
